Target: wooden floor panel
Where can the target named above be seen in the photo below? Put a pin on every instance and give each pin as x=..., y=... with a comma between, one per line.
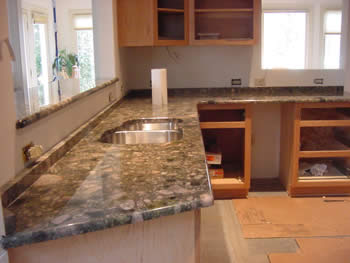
x=317, y=250
x=277, y=217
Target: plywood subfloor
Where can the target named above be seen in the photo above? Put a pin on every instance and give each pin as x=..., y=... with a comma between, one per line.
x=317, y=250
x=222, y=240
x=277, y=217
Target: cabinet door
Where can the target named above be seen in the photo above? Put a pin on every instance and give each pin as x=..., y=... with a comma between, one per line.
x=171, y=22
x=135, y=22
x=225, y=22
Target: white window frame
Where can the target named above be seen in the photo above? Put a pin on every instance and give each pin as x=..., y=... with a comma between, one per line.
x=28, y=11
x=323, y=35
x=308, y=30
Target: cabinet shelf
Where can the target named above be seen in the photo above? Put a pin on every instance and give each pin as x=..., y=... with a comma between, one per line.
x=324, y=154
x=224, y=10
x=171, y=10
x=222, y=125
x=325, y=123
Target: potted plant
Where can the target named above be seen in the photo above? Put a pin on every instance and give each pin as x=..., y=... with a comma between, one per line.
x=66, y=64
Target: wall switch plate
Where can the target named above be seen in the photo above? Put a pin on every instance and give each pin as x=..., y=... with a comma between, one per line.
x=260, y=82
x=236, y=82
x=318, y=81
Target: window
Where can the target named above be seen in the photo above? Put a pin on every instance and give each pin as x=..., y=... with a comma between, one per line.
x=332, y=39
x=85, y=49
x=37, y=57
x=284, y=39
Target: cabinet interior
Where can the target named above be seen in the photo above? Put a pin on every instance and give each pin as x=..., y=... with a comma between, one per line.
x=324, y=138
x=337, y=168
x=325, y=114
x=171, y=4
x=231, y=25
x=171, y=26
x=221, y=115
x=230, y=143
x=223, y=4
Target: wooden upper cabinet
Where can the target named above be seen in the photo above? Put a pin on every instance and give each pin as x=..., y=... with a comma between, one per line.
x=225, y=22
x=135, y=22
x=153, y=22
x=171, y=22
x=188, y=22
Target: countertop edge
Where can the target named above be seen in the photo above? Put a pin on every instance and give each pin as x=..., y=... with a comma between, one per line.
x=26, y=238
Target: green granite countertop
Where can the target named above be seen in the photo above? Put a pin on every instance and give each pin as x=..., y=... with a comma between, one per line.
x=97, y=186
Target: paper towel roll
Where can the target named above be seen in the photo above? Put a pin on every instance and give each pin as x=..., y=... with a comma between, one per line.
x=159, y=87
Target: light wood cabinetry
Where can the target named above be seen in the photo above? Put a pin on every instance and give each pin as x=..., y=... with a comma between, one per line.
x=188, y=22
x=315, y=134
x=227, y=127
x=152, y=22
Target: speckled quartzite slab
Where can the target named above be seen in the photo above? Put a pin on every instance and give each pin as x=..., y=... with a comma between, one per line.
x=97, y=186
x=255, y=92
x=44, y=112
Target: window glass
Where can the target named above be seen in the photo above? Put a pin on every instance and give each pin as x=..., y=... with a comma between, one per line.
x=332, y=39
x=333, y=22
x=85, y=46
x=284, y=40
x=41, y=63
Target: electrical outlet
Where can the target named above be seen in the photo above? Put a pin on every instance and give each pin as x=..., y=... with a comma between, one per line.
x=318, y=81
x=25, y=149
x=111, y=97
x=236, y=82
x=260, y=82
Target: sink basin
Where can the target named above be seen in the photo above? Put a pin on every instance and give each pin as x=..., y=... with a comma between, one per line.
x=145, y=137
x=151, y=124
x=145, y=131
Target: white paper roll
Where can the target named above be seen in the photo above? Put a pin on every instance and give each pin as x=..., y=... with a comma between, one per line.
x=159, y=87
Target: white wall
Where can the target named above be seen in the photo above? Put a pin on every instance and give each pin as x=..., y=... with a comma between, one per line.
x=7, y=116
x=347, y=47
x=7, y=104
x=107, y=54
x=266, y=123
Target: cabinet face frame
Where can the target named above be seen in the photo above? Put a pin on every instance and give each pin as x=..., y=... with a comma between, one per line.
x=257, y=11
x=229, y=188
x=317, y=186
x=159, y=42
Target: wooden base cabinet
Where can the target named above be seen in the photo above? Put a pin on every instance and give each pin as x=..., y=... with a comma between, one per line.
x=226, y=129
x=315, y=148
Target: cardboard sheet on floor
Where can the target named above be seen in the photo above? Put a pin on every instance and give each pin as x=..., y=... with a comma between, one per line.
x=317, y=250
x=274, y=217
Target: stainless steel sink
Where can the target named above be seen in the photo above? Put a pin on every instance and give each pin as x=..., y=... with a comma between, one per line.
x=151, y=124
x=145, y=137
x=145, y=131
